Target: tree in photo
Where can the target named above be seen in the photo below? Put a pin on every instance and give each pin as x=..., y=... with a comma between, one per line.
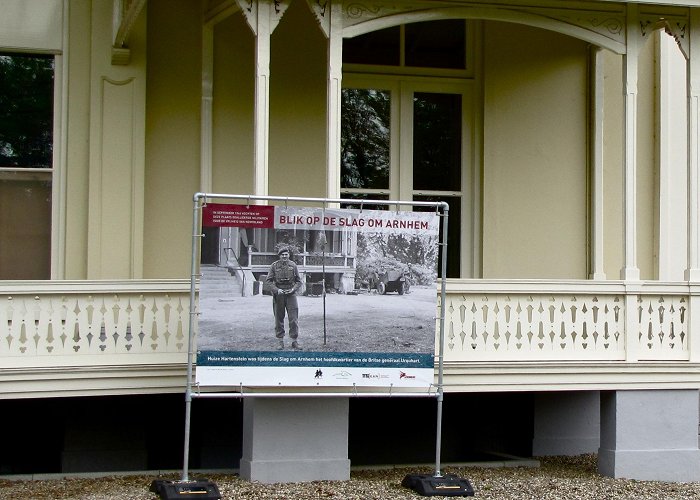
x=26, y=110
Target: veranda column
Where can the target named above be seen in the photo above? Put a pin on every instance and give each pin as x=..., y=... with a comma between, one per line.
x=262, y=17
x=330, y=19
x=262, y=98
x=335, y=75
x=206, y=127
x=672, y=159
x=630, y=271
x=692, y=273
x=597, y=102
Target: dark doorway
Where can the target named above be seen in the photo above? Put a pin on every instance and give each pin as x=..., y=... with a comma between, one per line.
x=210, y=245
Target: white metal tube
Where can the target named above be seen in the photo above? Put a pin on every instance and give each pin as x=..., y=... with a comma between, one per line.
x=319, y=200
x=443, y=295
x=190, y=344
x=312, y=394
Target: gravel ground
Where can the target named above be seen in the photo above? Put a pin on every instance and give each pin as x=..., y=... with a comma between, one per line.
x=557, y=478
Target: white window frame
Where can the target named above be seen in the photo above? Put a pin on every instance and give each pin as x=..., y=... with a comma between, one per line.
x=52, y=173
x=40, y=27
x=402, y=89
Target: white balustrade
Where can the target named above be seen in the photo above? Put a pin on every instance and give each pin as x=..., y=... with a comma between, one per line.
x=663, y=327
x=100, y=320
x=120, y=322
x=557, y=321
x=527, y=327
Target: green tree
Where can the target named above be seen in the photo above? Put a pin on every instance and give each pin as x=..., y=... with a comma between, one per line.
x=365, y=138
x=26, y=110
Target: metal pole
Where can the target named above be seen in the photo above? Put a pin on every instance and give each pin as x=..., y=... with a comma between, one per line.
x=443, y=295
x=323, y=274
x=188, y=392
x=287, y=199
x=245, y=395
x=323, y=291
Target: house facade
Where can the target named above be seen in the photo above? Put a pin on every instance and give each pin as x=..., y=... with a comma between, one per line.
x=246, y=255
x=563, y=134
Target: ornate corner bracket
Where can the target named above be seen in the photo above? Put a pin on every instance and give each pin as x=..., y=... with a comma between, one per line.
x=321, y=10
x=675, y=24
x=678, y=29
x=252, y=10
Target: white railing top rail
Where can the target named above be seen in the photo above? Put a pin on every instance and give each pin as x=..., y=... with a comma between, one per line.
x=48, y=287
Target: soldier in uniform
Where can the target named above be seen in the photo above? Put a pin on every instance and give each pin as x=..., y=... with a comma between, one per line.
x=284, y=281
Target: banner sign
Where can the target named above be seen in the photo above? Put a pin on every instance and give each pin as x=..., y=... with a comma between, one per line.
x=314, y=297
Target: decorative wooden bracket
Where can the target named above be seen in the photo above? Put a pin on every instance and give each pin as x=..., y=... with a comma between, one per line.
x=124, y=16
x=674, y=21
x=321, y=10
x=251, y=10
x=678, y=29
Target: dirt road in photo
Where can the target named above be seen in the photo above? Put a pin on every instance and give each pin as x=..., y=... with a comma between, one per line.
x=353, y=323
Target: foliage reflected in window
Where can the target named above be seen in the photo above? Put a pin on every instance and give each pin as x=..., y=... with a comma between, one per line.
x=426, y=149
x=26, y=165
x=437, y=141
x=356, y=201
x=365, y=142
x=454, y=230
x=26, y=110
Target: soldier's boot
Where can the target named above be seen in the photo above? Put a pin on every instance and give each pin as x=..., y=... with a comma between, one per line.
x=295, y=345
x=280, y=346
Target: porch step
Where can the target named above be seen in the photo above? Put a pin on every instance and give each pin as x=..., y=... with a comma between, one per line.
x=218, y=283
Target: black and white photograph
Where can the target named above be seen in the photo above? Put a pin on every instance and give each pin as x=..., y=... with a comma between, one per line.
x=337, y=287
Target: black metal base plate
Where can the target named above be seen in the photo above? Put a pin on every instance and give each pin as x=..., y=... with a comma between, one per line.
x=448, y=485
x=202, y=489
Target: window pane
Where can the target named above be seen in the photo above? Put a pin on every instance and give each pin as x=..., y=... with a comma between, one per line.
x=378, y=47
x=365, y=138
x=453, y=232
x=436, y=44
x=437, y=141
x=357, y=205
x=25, y=215
x=26, y=110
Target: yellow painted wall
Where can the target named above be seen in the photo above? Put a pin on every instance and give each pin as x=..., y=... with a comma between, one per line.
x=647, y=175
x=647, y=181
x=297, y=120
x=613, y=149
x=172, y=136
x=298, y=105
x=535, y=207
x=78, y=135
x=234, y=94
